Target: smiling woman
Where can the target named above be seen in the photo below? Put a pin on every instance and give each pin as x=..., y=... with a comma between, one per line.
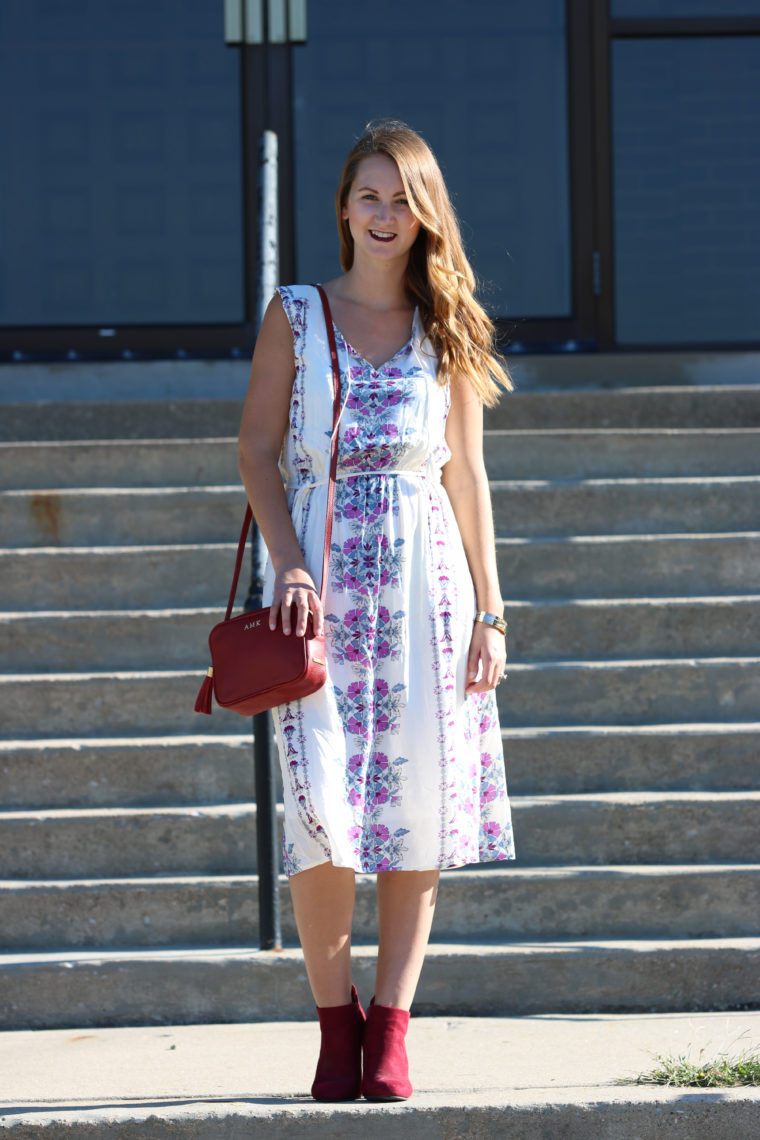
x=411, y=202
x=395, y=766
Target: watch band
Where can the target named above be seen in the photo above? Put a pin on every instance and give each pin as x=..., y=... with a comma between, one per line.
x=492, y=619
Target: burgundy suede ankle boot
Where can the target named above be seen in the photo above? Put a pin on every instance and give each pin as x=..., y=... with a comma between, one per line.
x=339, y=1069
x=386, y=1066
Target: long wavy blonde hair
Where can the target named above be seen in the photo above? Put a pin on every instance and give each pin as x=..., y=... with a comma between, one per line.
x=439, y=278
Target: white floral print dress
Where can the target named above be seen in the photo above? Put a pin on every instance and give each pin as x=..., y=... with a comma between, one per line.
x=389, y=766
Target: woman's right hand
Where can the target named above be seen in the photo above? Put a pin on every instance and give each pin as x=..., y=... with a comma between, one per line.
x=294, y=587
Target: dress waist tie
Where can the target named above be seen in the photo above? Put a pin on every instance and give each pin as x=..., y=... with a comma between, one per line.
x=432, y=474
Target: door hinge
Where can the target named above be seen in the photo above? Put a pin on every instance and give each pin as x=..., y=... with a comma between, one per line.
x=245, y=21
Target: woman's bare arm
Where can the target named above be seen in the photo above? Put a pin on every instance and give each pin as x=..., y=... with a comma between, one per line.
x=262, y=430
x=466, y=483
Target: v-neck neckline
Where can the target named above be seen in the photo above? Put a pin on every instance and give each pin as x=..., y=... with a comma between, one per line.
x=378, y=367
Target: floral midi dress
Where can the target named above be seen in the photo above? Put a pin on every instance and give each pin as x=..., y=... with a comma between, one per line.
x=389, y=766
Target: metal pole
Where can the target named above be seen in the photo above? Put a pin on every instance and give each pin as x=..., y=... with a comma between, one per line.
x=269, y=253
x=267, y=840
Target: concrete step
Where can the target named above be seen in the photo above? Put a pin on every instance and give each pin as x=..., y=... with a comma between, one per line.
x=114, y=577
x=669, y=757
x=607, y=453
x=102, y=842
x=193, y=986
x=605, y=827
x=631, y=628
x=685, y=406
x=600, y=629
x=627, y=408
x=554, y=454
x=176, y=771
x=654, y=565
x=504, y=904
x=198, y=575
x=637, y=827
x=145, y=772
x=544, y=508
x=105, y=515
x=114, y=639
x=522, y=508
x=585, y=693
x=580, y=693
x=125, y=463
x=550, y=1077
x=122, y=419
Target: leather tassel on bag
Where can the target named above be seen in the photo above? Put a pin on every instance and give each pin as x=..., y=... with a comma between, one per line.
x=203, y=700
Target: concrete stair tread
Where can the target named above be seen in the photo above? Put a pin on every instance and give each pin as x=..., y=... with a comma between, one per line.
x=50, y=989
x=603, y=828
x=238, y=1080
x=657, y=481
x=217, y=811
x=662, y=565
x=462, y=948
x=518, y=732
x=510, y=454
x=619, y=453
x=531, y=508
x=628, y=539
x=160, y=701
x=117, y=462
x=434, y=1114
x=235, y=810
x=517, y=666
x=550, y=903
x=579, y=434
x=696, y=600
x=103, y=742
x=561, y=630
x=464, y=876
x=693, y=728
x=640, y=797
x=135, y=548
x=190, y=769
x=590, y=405
x=207, y=491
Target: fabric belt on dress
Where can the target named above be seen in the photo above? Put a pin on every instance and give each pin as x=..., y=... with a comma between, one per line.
x=424, y=473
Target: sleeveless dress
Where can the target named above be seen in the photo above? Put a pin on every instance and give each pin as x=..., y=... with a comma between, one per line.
x=389, y=766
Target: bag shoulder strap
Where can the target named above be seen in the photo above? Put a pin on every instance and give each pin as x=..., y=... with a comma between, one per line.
x=331, y=477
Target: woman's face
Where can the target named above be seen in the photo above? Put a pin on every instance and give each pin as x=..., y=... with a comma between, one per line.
x=378, y=214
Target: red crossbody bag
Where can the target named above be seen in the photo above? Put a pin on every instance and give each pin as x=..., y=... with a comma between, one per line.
x=253, y=667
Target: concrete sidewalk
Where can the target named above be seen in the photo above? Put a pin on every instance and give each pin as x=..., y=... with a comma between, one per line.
x=531, y=1077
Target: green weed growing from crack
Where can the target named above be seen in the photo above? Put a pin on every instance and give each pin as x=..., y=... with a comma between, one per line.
x=722, y=1072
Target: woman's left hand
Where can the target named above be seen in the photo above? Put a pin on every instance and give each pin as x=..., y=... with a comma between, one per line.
x=488, y=648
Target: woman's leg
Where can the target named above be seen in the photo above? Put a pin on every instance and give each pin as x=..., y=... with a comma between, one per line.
x=405, y=904
x=405, y=907
x=323, y=903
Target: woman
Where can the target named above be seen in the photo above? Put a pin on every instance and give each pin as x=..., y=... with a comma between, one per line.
x=395, y=766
